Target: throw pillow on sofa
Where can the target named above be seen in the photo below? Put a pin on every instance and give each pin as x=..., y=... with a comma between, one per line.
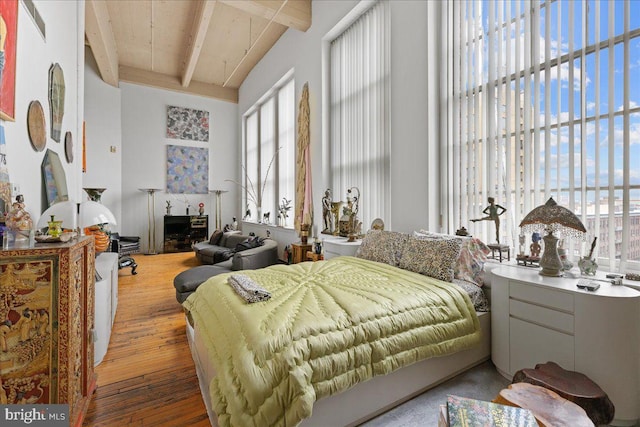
x=215, y=237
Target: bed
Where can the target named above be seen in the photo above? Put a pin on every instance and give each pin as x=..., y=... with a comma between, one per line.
x=339, y=342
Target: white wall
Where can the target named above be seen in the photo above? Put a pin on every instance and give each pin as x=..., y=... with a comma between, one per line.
x=65, y=45
x=413, y=206
x=103, y=130
x=144, y=163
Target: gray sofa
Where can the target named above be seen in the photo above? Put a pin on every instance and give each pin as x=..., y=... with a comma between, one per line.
x=215, y=259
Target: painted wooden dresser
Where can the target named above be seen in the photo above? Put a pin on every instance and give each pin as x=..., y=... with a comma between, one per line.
x=46, y=325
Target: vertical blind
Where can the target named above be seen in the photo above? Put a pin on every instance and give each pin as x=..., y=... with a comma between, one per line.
x=541, y=104
x=359, y=113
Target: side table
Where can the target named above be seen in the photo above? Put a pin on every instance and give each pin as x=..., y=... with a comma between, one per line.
x=339, y=246
x=299, y=252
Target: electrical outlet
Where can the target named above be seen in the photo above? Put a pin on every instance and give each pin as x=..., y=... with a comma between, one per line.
x=15, y=189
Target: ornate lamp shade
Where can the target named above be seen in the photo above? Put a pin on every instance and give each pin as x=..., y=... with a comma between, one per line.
x=552, y=218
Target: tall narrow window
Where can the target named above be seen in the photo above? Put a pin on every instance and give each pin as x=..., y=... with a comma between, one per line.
x=269, y=147
x=359, y=113
x=544, y=104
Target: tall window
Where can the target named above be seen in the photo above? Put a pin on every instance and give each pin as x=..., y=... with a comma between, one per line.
x=544, y=104
x=269, y=147
x=359, y=113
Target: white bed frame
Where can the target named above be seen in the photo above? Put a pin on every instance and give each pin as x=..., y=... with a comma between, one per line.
x=370, y=398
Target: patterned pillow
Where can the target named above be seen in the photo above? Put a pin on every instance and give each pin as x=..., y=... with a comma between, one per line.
x=473, y=255
x=382, y=246
x=432, y=257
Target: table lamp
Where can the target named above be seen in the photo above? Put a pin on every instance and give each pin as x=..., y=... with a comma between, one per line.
x=77, y=215
x=552, y=218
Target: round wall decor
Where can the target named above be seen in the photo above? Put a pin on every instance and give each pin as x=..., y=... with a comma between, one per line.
x=37, y=126
x=68, y=146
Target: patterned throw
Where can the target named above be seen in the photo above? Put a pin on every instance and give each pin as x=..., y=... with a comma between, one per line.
x=248, y=289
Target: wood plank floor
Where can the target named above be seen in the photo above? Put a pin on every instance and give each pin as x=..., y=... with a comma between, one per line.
x=147, y=377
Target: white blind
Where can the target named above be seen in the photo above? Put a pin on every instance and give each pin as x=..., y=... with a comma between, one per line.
x=359, y=113
x=544, y=100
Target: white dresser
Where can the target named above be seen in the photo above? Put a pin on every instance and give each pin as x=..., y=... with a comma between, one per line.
x=335, y=246
x=106, y=302
x=536, y=319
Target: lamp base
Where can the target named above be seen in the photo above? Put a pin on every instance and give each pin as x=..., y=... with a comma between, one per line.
x=550, y=260
x=551, y=273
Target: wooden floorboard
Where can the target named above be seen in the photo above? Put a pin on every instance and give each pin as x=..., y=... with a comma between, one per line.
x=147, y=378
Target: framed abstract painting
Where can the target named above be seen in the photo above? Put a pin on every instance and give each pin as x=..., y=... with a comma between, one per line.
x=8, y=43
x=187, y=170
x=187, y=123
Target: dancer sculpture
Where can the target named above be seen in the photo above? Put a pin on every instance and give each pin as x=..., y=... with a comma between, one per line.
x=493, y=213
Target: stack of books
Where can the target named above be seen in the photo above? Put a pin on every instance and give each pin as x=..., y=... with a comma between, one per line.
x=465, y=412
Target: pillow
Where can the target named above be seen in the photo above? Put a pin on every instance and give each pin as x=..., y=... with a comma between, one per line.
x=250, y=243
x=432, y=257
x=215, y=237
x=473, y=255
x=223, y=255
x=382, y=246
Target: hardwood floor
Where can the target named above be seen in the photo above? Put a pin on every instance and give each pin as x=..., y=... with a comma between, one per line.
x=147, y=377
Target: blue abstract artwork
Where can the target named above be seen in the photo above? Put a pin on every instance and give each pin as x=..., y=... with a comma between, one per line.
x=187, y=170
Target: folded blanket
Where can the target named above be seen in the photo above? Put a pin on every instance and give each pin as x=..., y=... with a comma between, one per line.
x=248, y=289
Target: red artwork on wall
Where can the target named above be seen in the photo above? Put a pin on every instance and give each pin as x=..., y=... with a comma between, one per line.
x=8, y=42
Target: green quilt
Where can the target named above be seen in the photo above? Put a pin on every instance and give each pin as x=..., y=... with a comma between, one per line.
x=328, y=326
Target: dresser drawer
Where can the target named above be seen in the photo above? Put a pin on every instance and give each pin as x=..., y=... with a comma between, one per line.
x=531, y=344
x=553, y=319
x=541, y=296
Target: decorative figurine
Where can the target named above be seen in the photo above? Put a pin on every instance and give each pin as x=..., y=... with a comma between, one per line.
x=201, y=208
x=522, y=239
x=493, y=213
x=535, y=247
x=18, y=219
x=169, y=207
x=462, y=232
x=326, y=212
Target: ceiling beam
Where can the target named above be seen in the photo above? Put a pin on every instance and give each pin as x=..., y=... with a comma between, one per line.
x=201, y=19
x=164, y=81
x=103, y=44
x=295, y=14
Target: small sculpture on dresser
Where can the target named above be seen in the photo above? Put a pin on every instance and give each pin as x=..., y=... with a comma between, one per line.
x=587, y=264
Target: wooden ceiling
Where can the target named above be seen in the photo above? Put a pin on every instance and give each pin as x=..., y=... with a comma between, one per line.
x=202, y=47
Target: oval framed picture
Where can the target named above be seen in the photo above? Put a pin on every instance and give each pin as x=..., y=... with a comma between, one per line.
x=37, y=126
x=68, y=146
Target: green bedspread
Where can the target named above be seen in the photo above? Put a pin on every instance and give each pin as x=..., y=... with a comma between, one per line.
x=328, y=326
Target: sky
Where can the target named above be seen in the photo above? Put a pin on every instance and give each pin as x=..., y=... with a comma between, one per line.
x=598, y=150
